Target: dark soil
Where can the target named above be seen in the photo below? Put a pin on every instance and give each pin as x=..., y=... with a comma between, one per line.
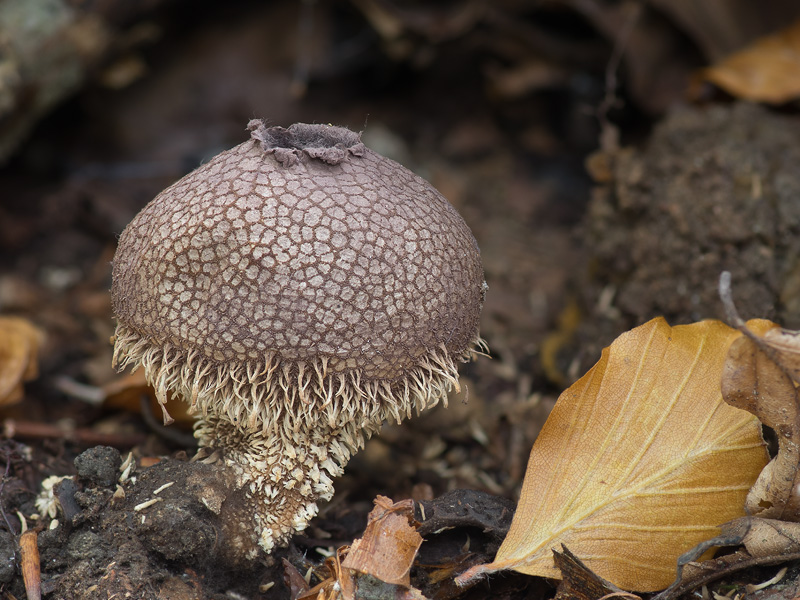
x=715, y=189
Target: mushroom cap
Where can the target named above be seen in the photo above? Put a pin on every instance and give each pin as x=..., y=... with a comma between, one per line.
x=301, y=245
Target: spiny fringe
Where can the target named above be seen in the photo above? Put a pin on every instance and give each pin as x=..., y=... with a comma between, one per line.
x=297, y=397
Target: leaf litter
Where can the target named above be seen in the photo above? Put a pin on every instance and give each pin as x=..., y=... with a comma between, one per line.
x=377, y=563
x=639, y=454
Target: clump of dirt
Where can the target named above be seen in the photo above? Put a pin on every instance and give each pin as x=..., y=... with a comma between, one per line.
x=163, y=532
x=715, y=189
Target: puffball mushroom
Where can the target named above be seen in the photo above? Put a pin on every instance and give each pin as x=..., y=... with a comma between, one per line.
x=297, y=290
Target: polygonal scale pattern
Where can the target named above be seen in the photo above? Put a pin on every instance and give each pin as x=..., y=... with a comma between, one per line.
x=360, y=263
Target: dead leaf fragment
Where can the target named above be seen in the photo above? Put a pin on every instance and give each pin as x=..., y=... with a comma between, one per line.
x=389, y=545
x=19, y=353
x=639, y=461
x=765, y=71
x=768, y=537
x=579, y=583
x=753, y=381
x=378, y=564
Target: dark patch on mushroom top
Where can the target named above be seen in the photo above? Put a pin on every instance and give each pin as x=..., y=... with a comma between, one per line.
x=327, y=143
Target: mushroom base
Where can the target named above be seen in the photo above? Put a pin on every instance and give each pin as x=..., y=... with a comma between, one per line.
x=278, y=480
x=284, y=429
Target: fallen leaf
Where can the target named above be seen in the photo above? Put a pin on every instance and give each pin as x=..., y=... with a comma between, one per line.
x=639, y=461
x=377, y=565
x=752, y=380
x=19, y=352
x=766, y=71
x=389, y=544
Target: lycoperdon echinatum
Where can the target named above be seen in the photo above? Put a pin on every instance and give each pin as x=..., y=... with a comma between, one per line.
x=297, y=291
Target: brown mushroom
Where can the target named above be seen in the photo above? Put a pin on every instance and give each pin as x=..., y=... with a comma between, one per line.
x=297, y=290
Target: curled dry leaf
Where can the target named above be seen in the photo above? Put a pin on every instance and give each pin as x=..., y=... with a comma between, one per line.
x=639, y=461
x=758, y=378
x=768, y=537
x=765, y=71
x=19, y=355
x=379, y=562
x=389, y=545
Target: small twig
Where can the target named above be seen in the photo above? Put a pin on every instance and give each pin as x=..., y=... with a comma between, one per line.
x=726, y=295
x=87, y=437
x=620, y=595
x=31, y=567
x=679, y=589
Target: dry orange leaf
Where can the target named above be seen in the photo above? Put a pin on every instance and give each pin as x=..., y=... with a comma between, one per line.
x=19, y=356
x=766, y=71
x=389, y=545
x=639, y=461
x=385, y=554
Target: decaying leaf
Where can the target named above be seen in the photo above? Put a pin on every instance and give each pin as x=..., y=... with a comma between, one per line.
x=753, y=381
x=765, y=71
x=465, y=508
x=19, y=352
x=389, y=545
x=639, y=461
x=379, y=563
x=761, y=376
x=768, y=537
x=461, y=528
